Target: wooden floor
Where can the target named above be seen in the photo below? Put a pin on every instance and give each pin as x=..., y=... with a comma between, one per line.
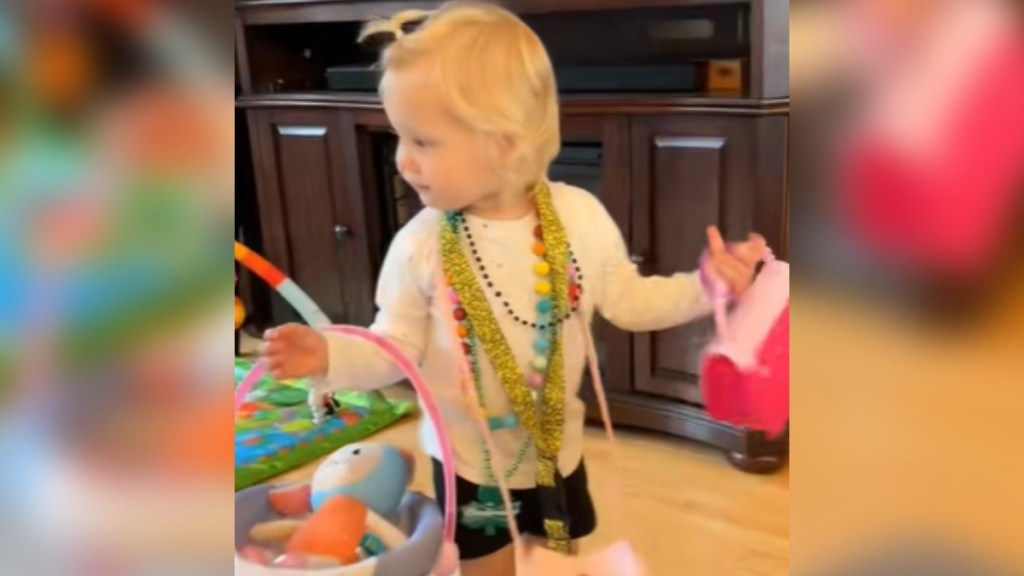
x=906, y=429
x=682, y=506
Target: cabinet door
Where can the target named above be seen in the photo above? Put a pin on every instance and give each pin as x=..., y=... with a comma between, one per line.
x=255, y=294
x=610, y=182
x=312, y=217
x=690, y=172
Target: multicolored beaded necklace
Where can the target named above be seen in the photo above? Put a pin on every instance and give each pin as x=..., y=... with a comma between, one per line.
x=543, y=323
x=537, y=400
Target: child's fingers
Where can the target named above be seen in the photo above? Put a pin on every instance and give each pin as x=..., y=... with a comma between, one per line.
x=730, y=269
x=716, y=245
x=273, y=348
x=752, y=251
x=264, y=349
x=285, y=333
x=289, y=332
x=276, y=366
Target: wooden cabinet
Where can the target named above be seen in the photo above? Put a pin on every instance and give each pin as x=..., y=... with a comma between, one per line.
x=313, y=219
x=685, y=172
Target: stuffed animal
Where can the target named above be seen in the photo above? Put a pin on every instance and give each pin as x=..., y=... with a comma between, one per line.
x=349, y=509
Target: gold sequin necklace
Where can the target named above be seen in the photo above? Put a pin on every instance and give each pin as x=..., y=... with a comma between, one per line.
x=545, y=420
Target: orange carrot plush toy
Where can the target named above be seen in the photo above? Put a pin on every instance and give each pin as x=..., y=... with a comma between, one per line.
x=353, y=498
x=334, y=531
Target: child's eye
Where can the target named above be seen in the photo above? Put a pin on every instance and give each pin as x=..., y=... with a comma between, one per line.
x=421, y=143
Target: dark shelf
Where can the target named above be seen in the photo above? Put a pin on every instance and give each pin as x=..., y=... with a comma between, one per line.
x=639, y=103
x=352, y=100
x=520, y=6
x=531, y=5
x=633, y=103
x=286, y=48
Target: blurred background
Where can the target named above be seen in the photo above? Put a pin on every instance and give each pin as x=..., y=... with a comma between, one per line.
x=908, y=321
x=116, y=199
x=116, y=176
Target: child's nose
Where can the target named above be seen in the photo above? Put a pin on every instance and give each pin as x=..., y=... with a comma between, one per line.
x=405, y=162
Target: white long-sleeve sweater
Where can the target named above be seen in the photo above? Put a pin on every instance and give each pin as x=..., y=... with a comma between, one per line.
x=411, y=317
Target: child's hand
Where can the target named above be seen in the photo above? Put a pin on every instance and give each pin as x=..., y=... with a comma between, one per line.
x=295, y=351
x=734, y=264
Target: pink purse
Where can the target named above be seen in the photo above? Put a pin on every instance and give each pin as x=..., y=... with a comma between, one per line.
x=745, y=371
x=932, y=175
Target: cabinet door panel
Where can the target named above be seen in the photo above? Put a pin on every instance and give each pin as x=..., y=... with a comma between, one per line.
x=612, y=177
x=688, y=173
x=308, y=216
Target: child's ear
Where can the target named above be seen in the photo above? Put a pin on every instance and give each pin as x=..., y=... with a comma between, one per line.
x=517, y=160
x=504, y=149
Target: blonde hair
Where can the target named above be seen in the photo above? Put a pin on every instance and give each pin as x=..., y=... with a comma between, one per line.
x=493, y=70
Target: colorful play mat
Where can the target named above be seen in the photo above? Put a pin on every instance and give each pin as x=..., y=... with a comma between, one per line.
x=274, y=430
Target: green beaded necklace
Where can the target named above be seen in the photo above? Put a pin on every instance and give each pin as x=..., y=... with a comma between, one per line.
x=539, y=409
x=487, y=512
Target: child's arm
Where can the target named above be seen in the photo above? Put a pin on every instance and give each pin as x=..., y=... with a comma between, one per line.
x=403, y=302
x=634, y=302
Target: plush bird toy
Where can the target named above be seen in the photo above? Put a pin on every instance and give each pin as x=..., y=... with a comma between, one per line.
x=353, y=499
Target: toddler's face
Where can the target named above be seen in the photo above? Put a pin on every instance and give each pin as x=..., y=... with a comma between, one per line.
x=449, y=164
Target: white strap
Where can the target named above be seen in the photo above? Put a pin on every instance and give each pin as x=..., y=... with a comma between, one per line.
x=606, y=419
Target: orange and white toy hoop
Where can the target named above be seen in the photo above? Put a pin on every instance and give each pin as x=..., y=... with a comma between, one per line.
x=283, y=285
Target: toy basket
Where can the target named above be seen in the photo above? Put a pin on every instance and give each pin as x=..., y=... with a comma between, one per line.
x=416, y=557
x=430, y=549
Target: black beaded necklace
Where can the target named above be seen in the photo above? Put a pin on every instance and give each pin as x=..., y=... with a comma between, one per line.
x=575, y=287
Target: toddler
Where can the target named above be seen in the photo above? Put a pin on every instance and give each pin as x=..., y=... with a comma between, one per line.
x=469, y=89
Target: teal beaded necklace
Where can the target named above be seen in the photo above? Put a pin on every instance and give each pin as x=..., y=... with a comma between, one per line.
x=488, y=498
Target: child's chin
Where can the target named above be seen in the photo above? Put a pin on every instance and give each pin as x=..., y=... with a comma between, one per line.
x=432, y=201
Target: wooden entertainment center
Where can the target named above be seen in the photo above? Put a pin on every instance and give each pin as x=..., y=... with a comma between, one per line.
x=316, y=193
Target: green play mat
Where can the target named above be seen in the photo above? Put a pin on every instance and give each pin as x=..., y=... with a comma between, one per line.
x=274, y=430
